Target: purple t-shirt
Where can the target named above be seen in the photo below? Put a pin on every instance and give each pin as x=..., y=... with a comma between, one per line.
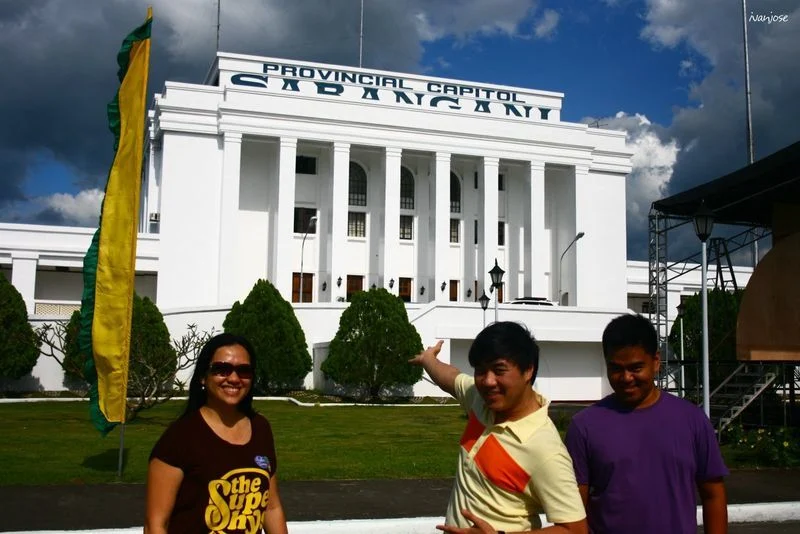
x=642, y=466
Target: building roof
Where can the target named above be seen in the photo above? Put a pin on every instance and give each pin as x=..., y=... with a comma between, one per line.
x=745, y=196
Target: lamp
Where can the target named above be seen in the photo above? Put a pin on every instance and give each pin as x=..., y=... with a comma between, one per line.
x=422, y=290
x=324, y=286
x=703, y=226
x=373, y=286
x=444, y=284
x=484, y=300
x=339, y=282
x=561, y=260
x=469, y=293
x=311, y=222
x=391, y=283
x=496, y=275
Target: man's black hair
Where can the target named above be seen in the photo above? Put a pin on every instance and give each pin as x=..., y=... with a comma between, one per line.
x=629, y=331
x=508, y=340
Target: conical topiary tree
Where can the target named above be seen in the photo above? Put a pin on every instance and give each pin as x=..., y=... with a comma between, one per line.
x=373, y=344
x=269, y=323
x=19, y=348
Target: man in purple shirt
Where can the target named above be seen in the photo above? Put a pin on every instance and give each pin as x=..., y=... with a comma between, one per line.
x=639, y=453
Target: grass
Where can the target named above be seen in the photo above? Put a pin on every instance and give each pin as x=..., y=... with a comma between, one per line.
x=54, y=443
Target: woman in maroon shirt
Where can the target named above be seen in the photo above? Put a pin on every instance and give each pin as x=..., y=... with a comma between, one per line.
x=214, y=469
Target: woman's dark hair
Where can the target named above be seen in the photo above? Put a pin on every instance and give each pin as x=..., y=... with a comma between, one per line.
x=197, y=393
x=508, y=340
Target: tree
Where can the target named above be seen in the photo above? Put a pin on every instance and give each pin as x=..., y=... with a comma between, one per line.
x=155, y=361
x=723, y=311
x=374, y=342
x=18, y=344
x=269, y=323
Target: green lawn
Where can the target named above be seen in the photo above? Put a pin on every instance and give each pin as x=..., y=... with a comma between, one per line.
x=54, y=443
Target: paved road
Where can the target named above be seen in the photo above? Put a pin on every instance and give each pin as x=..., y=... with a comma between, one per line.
x=122, y=505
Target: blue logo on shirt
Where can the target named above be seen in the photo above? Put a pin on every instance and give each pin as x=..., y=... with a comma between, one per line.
x=262, y=462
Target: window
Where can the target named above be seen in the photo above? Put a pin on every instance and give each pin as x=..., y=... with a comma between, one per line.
x=305, y=165
x=476, y=231
x=455, y=194
x=501, y=234
x=406, y=227
x=302, y=220
x=356, y=224
x=476, y=179
x=406, y=189
x=646, y=307
x=501, y=182
x=404, y=290
x=455, y=231
x=358, y=185
x=308, y=284
x=453, y=290
x=500, y=293
x=355, y=283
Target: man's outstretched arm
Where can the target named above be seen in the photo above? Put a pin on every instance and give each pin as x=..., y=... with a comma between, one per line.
x=443, y=374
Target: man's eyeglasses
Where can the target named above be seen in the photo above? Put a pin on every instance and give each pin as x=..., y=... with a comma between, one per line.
x=226, y=369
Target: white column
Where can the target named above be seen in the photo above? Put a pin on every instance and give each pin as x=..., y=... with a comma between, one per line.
x=536, y=234
x=227, y=278
x=339, y=209
x=391, y=238
x=23, y=276
x=284, y=227
x=580, y=262
x=442, y=226
x=489, y=230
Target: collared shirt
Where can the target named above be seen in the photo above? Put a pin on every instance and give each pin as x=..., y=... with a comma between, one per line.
x=508, y=473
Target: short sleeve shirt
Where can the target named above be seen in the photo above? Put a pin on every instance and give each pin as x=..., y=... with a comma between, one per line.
x=225, y=487
x=509, y=473
x=642, y=466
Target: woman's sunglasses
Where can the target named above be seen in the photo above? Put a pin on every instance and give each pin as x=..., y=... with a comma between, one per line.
x=226, y=369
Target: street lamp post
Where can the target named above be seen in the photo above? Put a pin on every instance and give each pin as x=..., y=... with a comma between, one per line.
x=561, y=260
x=703, y=226
x=484, y=300
x=311, y=222
x=497, y=281
x=681, y=311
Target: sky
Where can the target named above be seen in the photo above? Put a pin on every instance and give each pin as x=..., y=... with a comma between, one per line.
x=670, y=73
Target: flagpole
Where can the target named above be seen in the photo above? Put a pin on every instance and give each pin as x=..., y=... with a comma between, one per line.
x=218, y=13
x=361, y=36
x=121, y=449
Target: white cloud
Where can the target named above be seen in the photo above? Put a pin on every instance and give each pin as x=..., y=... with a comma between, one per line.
x=653, y=163
x=546, y=26
x=82, y=209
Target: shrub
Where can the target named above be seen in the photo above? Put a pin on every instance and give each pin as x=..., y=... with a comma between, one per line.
x=269, y=323
x=19, y=348
x=763, y=447
x=153, y=361
x=373, y=344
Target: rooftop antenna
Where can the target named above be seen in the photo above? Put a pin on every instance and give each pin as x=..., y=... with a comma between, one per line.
x=218, y=11
x=360, y=36
x=750, y=150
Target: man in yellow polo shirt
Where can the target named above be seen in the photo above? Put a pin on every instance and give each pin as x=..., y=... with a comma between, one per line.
x=512, y=463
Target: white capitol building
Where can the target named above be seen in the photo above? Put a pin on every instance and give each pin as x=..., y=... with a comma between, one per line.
x=416, y=184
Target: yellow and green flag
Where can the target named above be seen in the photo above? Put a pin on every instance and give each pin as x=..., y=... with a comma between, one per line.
x=109, y=265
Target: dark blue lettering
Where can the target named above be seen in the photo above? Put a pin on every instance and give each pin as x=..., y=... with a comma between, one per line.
x=512, y=110
x=250, y=80
x=325, y=88
x=482, y=106
x=290, y=84
x=435, y=101
x=545, y=113
x=370, y=93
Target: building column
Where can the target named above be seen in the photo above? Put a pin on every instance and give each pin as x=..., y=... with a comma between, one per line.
x=23, y=277
x=284, y=227
x=490, y=216
x=442, y=225
x=391, y=237
x=539, y=256
x=229, y=218
x=339, y=210
x=582, y=263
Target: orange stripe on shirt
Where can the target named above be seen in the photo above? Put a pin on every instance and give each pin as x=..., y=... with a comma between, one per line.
x=472, y=432
x=500, y=468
